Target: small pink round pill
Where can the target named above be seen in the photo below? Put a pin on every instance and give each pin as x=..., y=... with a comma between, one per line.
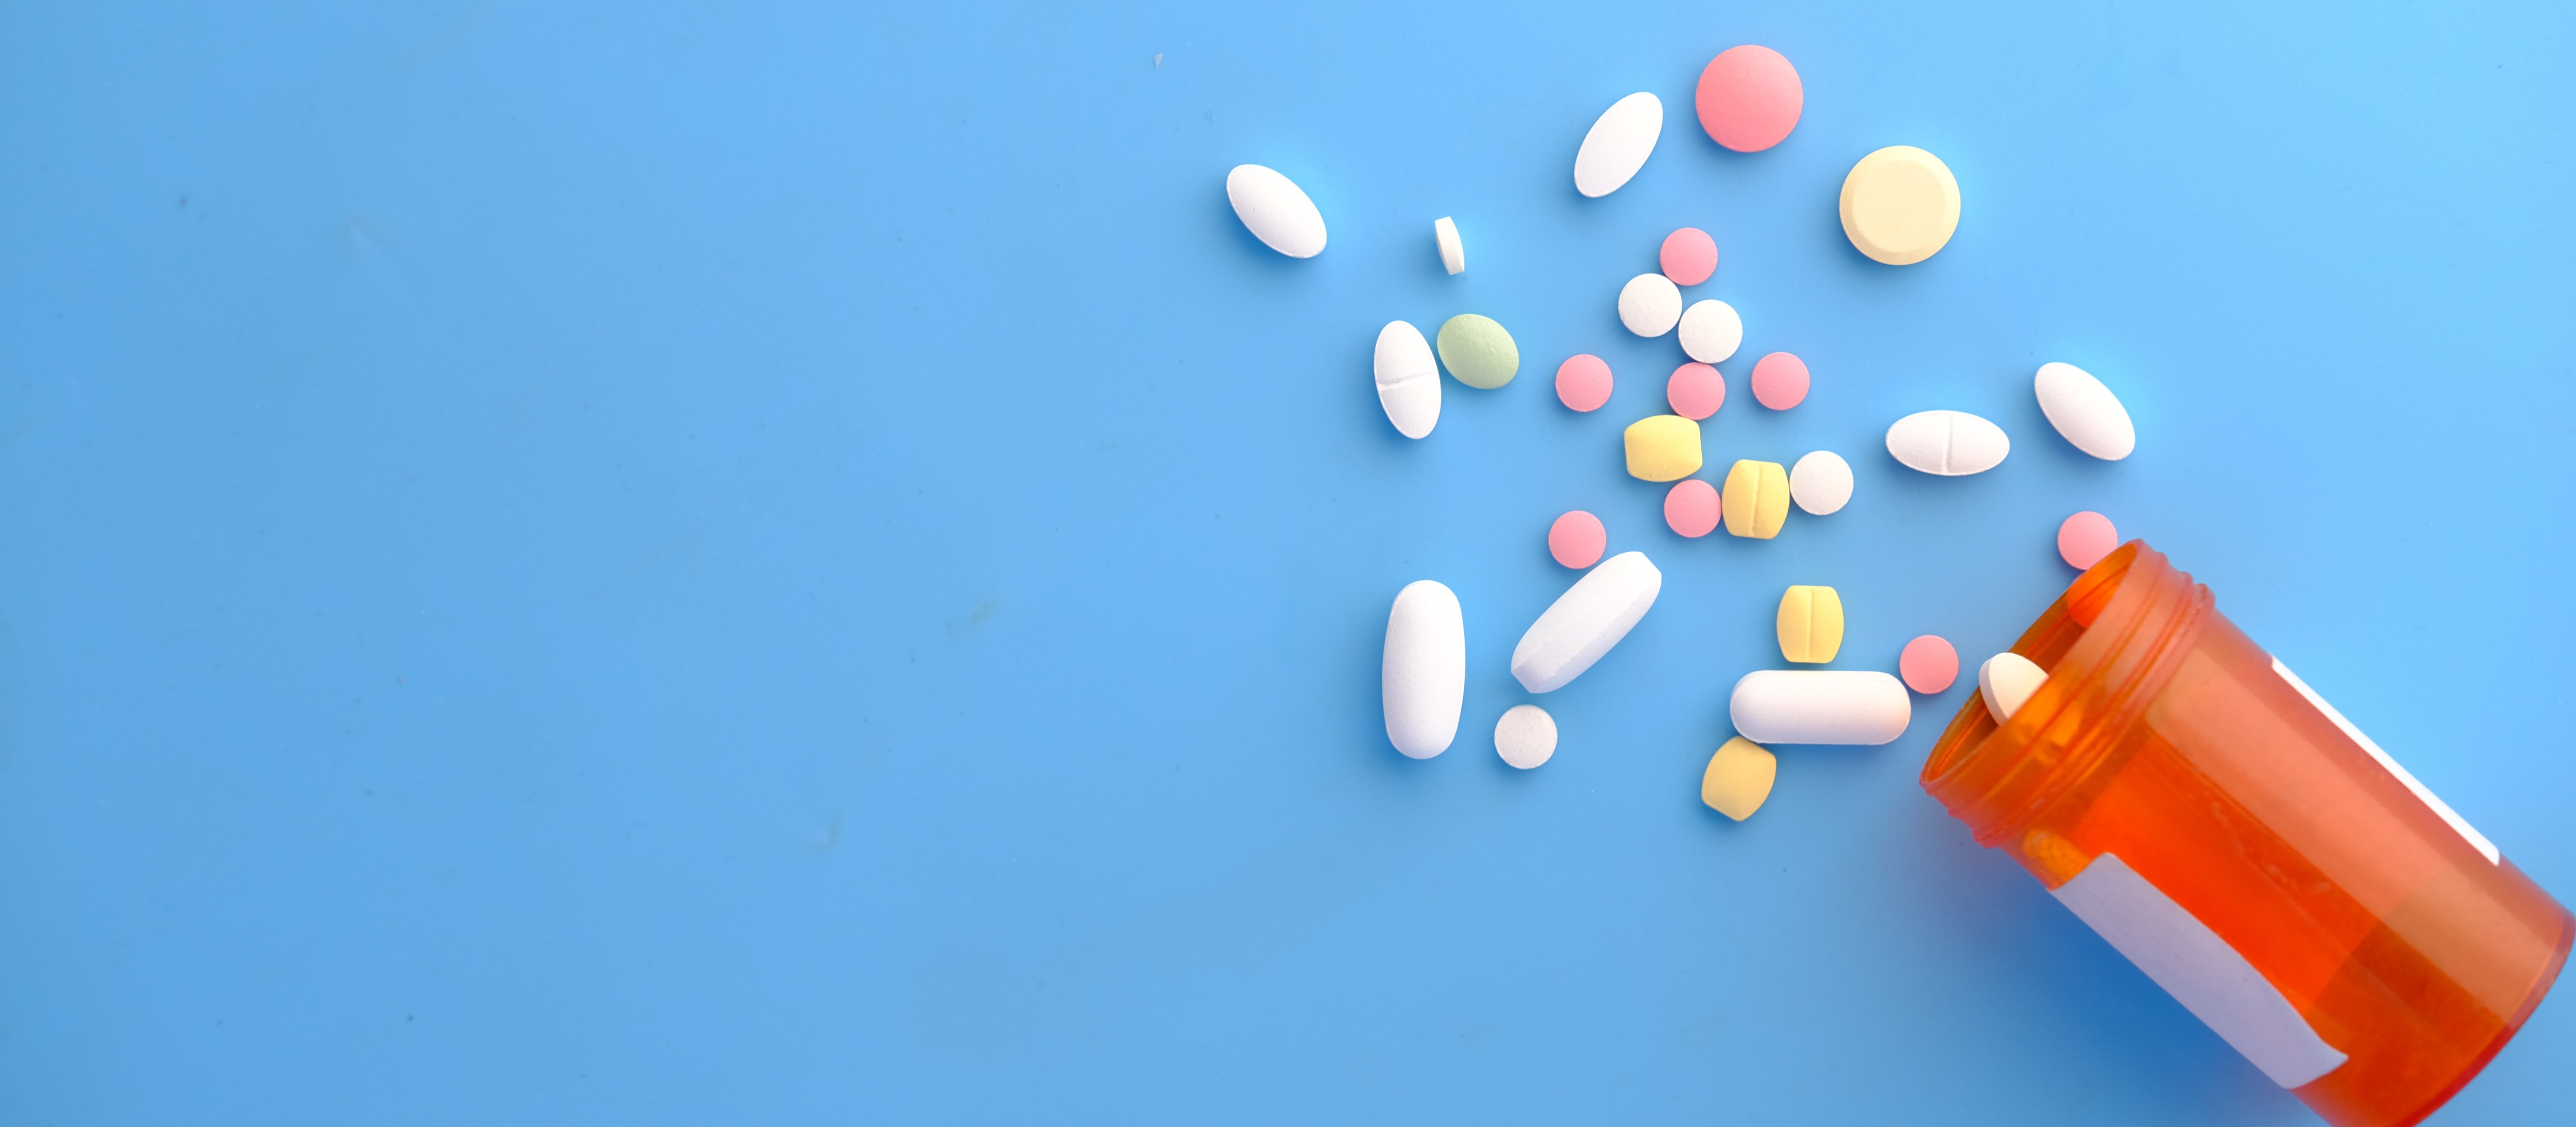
x=1691, y=507
x=1696, y=391
x=1576, y=539
x=1583, y=382
x=1689, y=256
x=2085, y=538
x=1779, y=381
x=1928, y=664
x=1749, y=98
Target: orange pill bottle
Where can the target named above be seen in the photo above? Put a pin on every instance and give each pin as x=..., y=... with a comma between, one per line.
x=2258, y=856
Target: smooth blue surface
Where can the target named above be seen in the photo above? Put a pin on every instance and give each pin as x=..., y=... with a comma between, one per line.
x=610, y=564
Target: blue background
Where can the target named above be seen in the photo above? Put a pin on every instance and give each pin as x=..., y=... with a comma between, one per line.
x=585, y=563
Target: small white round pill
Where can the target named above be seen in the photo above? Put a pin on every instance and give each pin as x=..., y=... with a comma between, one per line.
x=1525, y=736
x=1649, y=305
x=1453, y=253
x=1947, y=443
x=2085, y=411
x=1711, y=331
x=1821, y=482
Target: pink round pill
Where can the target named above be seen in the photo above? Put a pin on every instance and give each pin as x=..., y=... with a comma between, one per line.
x=1779, y=381
x=1691, y=507
x=1576, y=539
x=1929, y=664
x=1696, y=391
x=1749, y=98
x=2085, y=538
x=1689, y=256
x=1583, y=382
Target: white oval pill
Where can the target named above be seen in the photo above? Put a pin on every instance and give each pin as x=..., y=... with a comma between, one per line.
x=1650, y=304
x=1820, y=706
x=1948, y=443
x=1408, y=381
x=1618, y=145
x=1585, y=621
x=1275, y=210
x=1424, y=679
x=1711, y=331
x=2006, y=680
x=2085, y=411
x=1526, y=736
x=1821, y=482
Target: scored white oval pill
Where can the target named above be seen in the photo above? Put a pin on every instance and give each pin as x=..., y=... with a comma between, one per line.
x=1948, y=443
x=1711, y=331
x=1618, y=145
x=1650, y=304
x=1424, y=679
x=1408, y=380
x=1821, y=482
x=1819, y=706
x=2006, y=680
x=1453, y=254
x=1585, y=621
x=2085, y=411
x=1526, y=736
x=1275, y=210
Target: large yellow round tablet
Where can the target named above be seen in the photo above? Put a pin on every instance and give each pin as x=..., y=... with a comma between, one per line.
x=1900, y=204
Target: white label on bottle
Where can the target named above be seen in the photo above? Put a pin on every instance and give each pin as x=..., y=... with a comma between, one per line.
x=2476, y=839
x=2199, y=969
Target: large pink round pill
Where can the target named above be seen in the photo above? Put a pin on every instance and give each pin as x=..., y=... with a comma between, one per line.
x=1749, y=98
x=2085, y=538
x=1689, y=256
x=1583, y=382
x=1779, y=381
x=1696, y=391
x=1928, y=664
x=1691, y=507
x=1576, y=539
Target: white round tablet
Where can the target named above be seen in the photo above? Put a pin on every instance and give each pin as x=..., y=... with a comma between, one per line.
x=1526, y=736
x=1821, y=482
x=1649, y=305
x=1711, y=331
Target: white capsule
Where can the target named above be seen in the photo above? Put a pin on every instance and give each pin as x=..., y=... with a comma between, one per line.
x=1821, y=482
x=2006, y=680
x=1711, y=331
x=1275, y=210
x=1408, y=381
x=1453, y=253
x=1585, y=621
x=1649, y=305
x=1424, y=679
x=1819, y=706
x=1526, y=736
x=1618, y=145
x=2085, y=411
x=1948, y=443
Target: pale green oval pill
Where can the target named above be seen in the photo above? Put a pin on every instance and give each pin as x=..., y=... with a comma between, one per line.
x=1477, y=351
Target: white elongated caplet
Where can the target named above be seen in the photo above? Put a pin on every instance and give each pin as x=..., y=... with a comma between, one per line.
x=2084, y=411
x=2006, y=680
x=1408, y=380
x=1275, y=210
x=1585, y=621
x=1425, y=677
x=1619, y=143
x=1819, y=706
x=1948, y=443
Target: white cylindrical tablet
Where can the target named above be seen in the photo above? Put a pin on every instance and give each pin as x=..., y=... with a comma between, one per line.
x=1649, y=305
x=2085, y=411
x=1948, y=443
x=1275, y=210
x=1408, y=381
x=1453, y=254
x=1821, y=482
x=2006, y=681
x=1424, y=679
x=1585, y=621
x=1820, y=706
x=1618, y=145
x=1711, y=331
x=1526, y=736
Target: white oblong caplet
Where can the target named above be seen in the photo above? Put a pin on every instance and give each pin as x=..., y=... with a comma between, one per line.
x=1819, y=706
x=1584, y=622
x=1620, y=141
x=1275, y=210
x=1408, y=381
x=1948, y=443
x=2084, y=411
x=1425, y=676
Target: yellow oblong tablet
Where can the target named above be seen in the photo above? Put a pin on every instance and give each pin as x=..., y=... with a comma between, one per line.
x=1738, y=779
x=1810, y=624
x=1900, y=204
x=1756, y=499
x=1663, y=448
